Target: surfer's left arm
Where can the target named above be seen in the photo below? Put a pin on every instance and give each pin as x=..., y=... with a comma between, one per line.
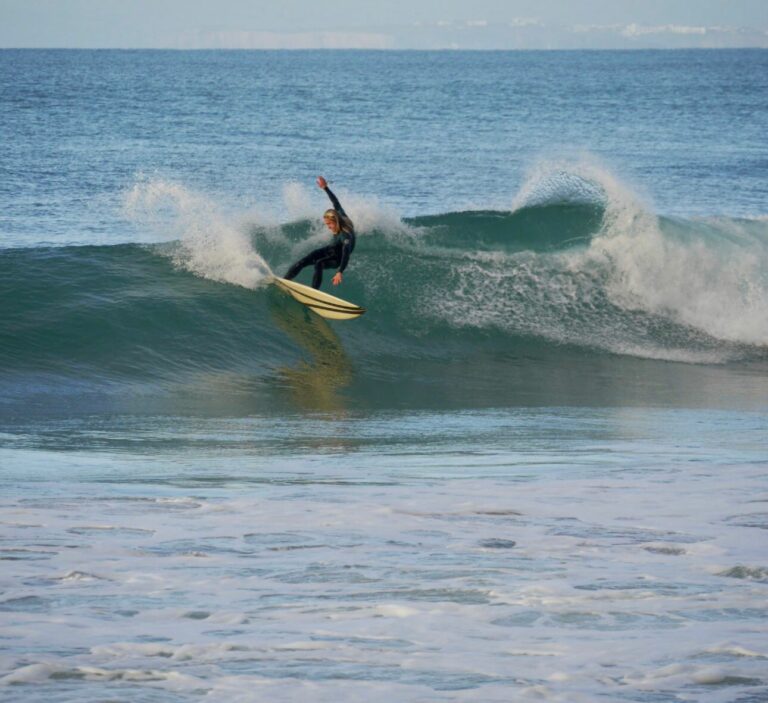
x=346, y=250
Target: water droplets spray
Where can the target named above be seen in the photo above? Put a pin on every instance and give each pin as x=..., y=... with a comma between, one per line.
x=207, y=243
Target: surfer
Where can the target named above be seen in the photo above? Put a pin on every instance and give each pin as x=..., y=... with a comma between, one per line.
x=335, y=255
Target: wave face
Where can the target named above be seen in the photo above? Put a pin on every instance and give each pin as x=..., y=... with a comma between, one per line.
x=576, y=267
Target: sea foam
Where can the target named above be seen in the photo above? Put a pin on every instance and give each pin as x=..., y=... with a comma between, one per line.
x=208, y=243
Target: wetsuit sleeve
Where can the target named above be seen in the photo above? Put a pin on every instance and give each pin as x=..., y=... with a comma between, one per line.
x=346, y=250
x=335, y=202
x=347, y=238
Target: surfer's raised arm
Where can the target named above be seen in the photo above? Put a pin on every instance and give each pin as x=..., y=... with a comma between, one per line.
x=322, y=183
x=337, y=254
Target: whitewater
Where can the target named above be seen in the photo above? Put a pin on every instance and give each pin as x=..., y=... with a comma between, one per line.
x=534, y=470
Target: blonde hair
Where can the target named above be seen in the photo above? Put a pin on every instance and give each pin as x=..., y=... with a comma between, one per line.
x=344, y=223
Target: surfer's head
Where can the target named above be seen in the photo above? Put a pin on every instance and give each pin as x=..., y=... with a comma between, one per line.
x=331, y=219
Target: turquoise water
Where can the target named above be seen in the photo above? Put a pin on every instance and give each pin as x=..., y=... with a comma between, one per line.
x=535, y=469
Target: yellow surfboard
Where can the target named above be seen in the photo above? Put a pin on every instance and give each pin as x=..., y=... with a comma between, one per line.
x=325, y=305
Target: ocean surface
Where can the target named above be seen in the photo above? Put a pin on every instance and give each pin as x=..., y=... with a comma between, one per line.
x=536, y=469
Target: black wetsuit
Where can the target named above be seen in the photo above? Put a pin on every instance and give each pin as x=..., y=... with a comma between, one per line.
x=335, y=255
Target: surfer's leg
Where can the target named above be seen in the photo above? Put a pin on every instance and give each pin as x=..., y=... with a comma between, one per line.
x=324, y=263
x=317, y=278
x=309, y=260
x=296, y=268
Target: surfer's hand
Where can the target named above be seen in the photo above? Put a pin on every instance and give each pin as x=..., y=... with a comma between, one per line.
x=322, y=182
x=337, y=278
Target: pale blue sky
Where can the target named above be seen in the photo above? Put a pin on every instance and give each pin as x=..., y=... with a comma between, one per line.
x=395, y=24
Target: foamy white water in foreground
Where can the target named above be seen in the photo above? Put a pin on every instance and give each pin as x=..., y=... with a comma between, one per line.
x=568, y=555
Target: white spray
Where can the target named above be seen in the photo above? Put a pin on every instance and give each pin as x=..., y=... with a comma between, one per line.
x=208, y=243
x=717, y=285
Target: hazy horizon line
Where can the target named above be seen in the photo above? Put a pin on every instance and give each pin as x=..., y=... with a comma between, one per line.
x=385, y=49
